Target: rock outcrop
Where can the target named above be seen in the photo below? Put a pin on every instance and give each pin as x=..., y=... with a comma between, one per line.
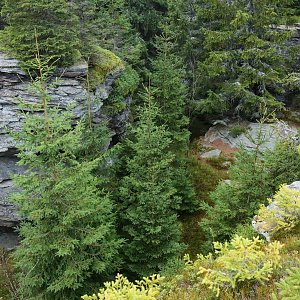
x=231, y=137
x=67, y=88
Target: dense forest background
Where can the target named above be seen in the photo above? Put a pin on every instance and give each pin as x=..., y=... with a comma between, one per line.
x=94, y=207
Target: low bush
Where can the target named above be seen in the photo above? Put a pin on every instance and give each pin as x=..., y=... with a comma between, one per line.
x=283, y=212
x=123, y=289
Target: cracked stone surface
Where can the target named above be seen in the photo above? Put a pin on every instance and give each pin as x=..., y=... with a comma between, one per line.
x=67, y=88
x=221, y=136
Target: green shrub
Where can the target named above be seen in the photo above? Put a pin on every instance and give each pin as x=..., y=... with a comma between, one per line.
x=123, y=87
x=290, y=285
x=246, y=231
x=237, y=130
x=283, y=214
x=49, y=22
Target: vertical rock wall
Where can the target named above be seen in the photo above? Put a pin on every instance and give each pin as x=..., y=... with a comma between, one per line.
x=67, y=88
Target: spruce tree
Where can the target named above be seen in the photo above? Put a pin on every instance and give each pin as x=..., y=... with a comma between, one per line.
x=68, y=234
x=86, y=13
x=168, y=79
x=146, y=16
x=105, y=23
x=186, y=32
x=2, y=22
x=170, y=95
x=146, y=195
x=237, y=201
x=283, y=163
x=50, y=22
x=242, y=65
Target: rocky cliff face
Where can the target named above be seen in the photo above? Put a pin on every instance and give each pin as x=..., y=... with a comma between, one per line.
x=67, y=88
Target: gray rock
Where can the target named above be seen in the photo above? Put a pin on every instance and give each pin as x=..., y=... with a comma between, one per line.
x=227, y=181
x=10, y=65
x=9, y=239
x=78, y=70
x=67, y=88
x=269, y=134
x=8, y=212
x=211, y=154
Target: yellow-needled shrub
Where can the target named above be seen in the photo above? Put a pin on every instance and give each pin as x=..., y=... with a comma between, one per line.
x=238, y=261
x=123, y=289
x=283, y=213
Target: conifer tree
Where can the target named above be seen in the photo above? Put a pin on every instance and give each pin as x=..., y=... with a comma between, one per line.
x=170, y=95
x=242, y=65
x=171, y=92
x=146, y=195
x=86, y=13
x=2, y=22
x=187, y=38
x=68, y=235
x=237, y=201
x=51, y=22
x=283, y=163
x=146, y=16
x=254, y=177
x=105, y=23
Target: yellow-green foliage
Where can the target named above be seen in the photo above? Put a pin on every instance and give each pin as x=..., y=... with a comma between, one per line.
x=284, y=215
x=102, y=63
x=123, y=289
x=238, y=261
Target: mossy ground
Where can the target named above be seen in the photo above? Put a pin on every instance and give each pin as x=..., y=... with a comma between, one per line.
x=4, y=292
x=5, y=270
x=206, y=174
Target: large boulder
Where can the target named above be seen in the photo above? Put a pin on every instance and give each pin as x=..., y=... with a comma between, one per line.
x=248, y=135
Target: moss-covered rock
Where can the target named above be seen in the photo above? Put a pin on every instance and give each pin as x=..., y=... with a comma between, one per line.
x=101, y=64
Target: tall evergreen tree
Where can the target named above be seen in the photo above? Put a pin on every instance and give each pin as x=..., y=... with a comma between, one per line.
x=236, y=202
x=51, y=22
x=2, y=22
x=86, y=13
x=105, y=23
x=185, y=28
x=171, y=92
x=146, y=16
x=68, y=235
x=146, y=195
x=242, y=64
x=170, y=96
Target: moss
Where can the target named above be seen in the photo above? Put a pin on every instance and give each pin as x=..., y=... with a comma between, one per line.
x=101, y=64
x=237, y=130
x=7, y=277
